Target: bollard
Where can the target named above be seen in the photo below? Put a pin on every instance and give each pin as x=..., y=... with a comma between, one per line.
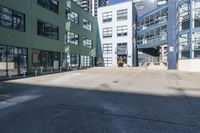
x=24, y=74
x=35, y=72
x=40, y=69
x=9, y=74
x=51, y=69
x=60, y=69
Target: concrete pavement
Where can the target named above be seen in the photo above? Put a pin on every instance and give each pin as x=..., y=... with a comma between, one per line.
x=102, y=100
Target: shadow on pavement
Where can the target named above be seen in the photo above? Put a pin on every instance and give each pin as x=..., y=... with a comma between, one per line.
x=47, y=109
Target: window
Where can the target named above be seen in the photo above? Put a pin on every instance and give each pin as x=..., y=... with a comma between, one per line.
x=122, y=14
x=47, y=30
x=87, y=43
x=12, y=19
x=14, y=59
x=107, y=32
x=87, y=24
x=107, y=17
x=74, y=60
x=122, y=30
x=85, y=61
x=107, y=48
x=52, y=5
x=72, y=16
x=72, y=38
x=122, y=49
x=107, y=61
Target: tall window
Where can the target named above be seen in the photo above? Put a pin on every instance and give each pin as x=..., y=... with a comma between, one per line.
x=85, y=61
x=107, y=32
x=87, y=43
x=47, y=30
x=122, y=14
x=107, y=17
x=52, y=5
x=122, y=30
x=72, y=16
x=107, y=48
x=87, y=24
x=12, y=19
x=72, y=38
x=107, y=61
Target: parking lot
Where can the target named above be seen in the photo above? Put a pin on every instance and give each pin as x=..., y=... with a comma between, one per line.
x=102, y=100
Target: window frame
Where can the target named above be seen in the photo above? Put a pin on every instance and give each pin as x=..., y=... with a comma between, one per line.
x=107, y=17
x=107, y=32
x=13, y=16
x=122, y=30
x=122, y=14
x=44, y=32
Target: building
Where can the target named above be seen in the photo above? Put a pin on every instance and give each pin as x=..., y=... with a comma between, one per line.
x=170, y=34
x=91, y=6
x=117, y=33
x=44, y=36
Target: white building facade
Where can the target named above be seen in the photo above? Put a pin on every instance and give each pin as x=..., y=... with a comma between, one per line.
x=117, y=34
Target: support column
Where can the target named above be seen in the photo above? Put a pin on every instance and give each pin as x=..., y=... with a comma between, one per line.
x=171, y=28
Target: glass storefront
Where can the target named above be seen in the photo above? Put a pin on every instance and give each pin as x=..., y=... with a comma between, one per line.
x=45, y=60
x=188, y=29
x=13, y=60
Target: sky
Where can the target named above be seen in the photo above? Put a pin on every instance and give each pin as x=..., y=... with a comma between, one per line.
x=116, y=1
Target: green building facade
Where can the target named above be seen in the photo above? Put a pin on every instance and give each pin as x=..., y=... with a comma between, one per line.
x=45, y=35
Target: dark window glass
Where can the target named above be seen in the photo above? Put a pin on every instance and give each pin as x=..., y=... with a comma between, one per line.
x=47, y=30
x=52, y=5
x=12, y=19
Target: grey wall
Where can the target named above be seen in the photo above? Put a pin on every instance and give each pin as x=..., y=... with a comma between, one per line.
x=172, y=59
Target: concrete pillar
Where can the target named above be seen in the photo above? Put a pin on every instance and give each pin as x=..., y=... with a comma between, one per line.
x=172, y=11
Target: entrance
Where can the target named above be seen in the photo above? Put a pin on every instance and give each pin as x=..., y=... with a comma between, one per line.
x=122, y=57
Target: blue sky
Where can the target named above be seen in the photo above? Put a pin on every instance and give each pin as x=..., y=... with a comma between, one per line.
x=116, y=1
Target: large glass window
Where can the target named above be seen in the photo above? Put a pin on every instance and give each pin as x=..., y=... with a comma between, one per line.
x=158, y=18
x=107, y=61
x=87, y=24
x=85, y=61
x=72, y=16
x=47, y=30
x=3, y=60
x=122, y=30
x=184, y=46
x=107, y=48
x=184, y=16
x=107, y=32
x=13, y=60
x=107, y=17
x=52, y=5
x=196, y=43
x=74, y=60
x=87, y=43
x=122, y=14
x=45, y=59
x=12, y=19
x=72, y=38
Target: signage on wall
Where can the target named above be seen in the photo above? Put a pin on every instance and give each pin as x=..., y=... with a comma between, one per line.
x=171, y=49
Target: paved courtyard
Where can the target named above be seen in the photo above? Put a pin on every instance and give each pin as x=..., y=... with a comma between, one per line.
x=102, y=100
